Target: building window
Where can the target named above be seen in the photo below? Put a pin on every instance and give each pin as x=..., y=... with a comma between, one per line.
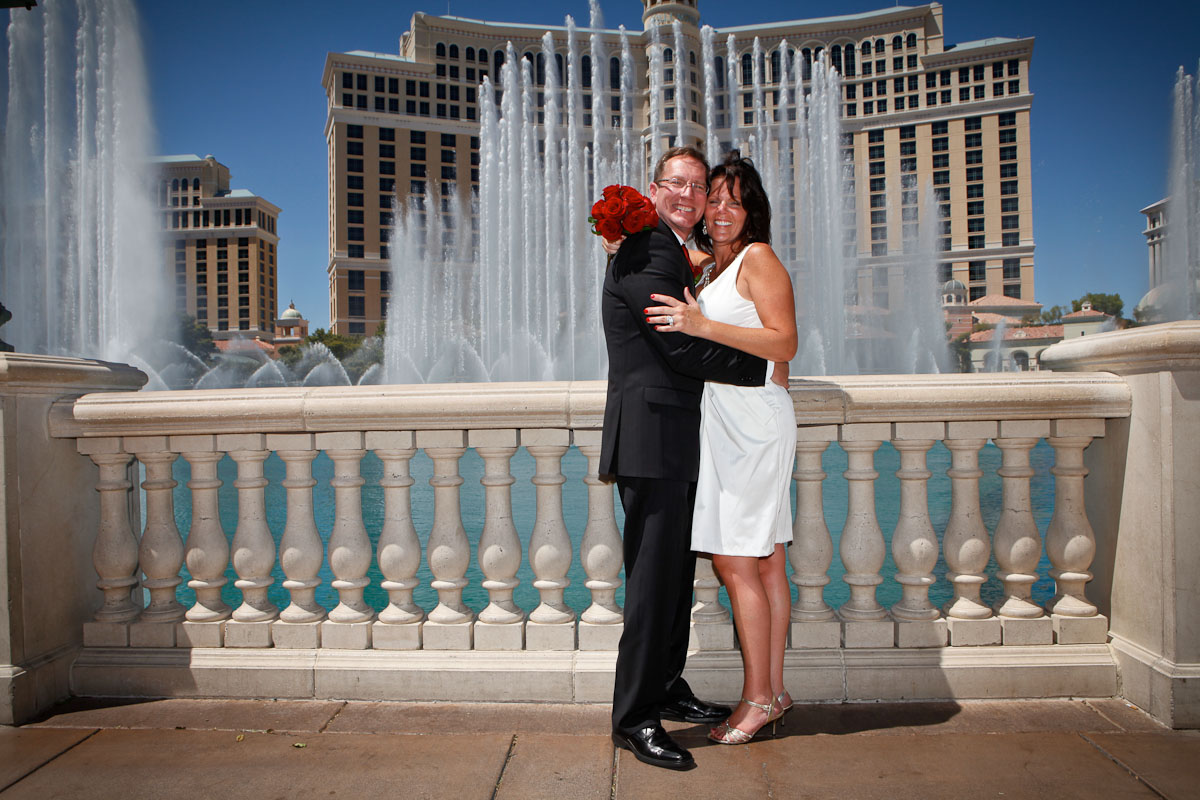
x=974, y=156
x=1008, y=187
x=974, y=208
x=976, y=271
x=354, y=234
x=941, y=160
x=974, y=173
x=1009, y=204
x=357, y=306
x=355, y=280
x=1010, y=239
x=975, y=242
x=975, y=225
x=354, y=198
x=355, y=251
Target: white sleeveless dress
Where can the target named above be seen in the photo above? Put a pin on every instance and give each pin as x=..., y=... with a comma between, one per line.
x=747, y=447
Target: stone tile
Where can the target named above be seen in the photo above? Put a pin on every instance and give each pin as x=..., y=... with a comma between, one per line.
x=23, y=750
x=520, y=718
x=554, y=766
x=158, y=764
x=1126, y=715
x=230, y=715
x=730, y=772
x=1169, y=763
x=1051, y=765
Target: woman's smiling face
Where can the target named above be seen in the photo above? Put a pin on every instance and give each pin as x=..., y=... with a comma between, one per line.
x=724, y=216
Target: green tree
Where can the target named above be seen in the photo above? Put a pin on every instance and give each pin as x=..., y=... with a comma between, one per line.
x=1110, y=304
x=960, y=351
x=341, y=346
x=1052, y=315
x=195, y=336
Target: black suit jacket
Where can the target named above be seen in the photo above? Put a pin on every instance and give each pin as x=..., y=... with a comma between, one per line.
x=652, y=413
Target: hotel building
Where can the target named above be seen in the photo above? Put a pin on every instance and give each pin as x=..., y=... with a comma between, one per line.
x=916, y=111
x=223, y=245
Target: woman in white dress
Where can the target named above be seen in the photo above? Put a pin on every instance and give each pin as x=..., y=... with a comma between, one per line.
x=747, y=434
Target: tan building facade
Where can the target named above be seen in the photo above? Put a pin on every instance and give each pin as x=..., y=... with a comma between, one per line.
x=916, y=112
x=222, y=245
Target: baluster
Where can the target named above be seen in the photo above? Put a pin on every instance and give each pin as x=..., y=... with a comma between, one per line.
x=301, y=550
x=811, y=552
x=449, y=552
x=115, y=553
x=161, y=550
x=862, y=545
x=549, y=544
x=253, y=546
x=399, y=549
x=712, y=627
x=966, y=542
x=1070, y=543
x=497, y=627
x=1017, y=543
x=914, y=543
x=349, y=545
x=207, y=552
x=600, y=552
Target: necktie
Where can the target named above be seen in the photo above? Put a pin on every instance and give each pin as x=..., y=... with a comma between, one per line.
x=688, y=258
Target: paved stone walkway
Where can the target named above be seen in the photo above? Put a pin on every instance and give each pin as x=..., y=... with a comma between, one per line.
x=315, y=749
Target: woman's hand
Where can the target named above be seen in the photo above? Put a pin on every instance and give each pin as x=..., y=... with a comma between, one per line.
x=780, y=374
x=611, y=247
x=682, y=316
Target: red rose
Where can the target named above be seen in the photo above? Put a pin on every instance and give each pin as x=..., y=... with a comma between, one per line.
x=610, y=229
x=631, y=195
x=638, y=220
x=614, y=207
x=611, y=191
x=598, y=209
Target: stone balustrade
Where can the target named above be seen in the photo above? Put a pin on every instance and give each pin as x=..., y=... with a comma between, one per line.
x=144, y=641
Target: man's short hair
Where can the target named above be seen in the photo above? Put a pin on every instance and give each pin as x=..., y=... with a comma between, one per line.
x=676, y=152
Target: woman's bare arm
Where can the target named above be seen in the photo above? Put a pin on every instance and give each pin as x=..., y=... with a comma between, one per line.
x=762, y=280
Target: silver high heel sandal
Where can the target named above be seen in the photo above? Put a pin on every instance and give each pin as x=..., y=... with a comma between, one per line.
x=781, y=708
x=727, y=734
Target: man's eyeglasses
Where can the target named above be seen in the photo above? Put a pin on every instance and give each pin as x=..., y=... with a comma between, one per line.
x=679, y=185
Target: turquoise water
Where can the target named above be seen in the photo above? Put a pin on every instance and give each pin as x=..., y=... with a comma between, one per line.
x=574, y=493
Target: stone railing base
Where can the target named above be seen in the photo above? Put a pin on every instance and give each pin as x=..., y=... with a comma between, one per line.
x=826, y=675
x=1168, y=691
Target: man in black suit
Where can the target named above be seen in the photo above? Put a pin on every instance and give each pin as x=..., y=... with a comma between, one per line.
x=651, y=444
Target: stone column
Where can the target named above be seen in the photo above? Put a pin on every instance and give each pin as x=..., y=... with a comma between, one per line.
x=865, y=623
x=965, y=544
x=207, y=551
x=499, y=624
x=253, y=547
x=551, y=625
x=160, y=553
x=914, y=543
x=450, y=624
x=49, y=524
x=814, y=625
x=1017, y=542
x=398, y=627
x=301, y=551
x=1142, y=500
x=600, y=553
x=349, y=624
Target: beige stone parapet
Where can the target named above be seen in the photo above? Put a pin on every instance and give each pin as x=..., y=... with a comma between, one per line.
x=47, y=528
x=576, y=405
x=1143, y=499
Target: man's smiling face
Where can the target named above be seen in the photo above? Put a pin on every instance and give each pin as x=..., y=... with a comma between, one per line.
x=681, y=209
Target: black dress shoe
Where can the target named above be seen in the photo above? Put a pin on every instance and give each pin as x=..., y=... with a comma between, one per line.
x=693, y=709
x=653, y=745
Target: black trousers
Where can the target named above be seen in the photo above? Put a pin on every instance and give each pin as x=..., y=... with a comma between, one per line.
x=660, y=568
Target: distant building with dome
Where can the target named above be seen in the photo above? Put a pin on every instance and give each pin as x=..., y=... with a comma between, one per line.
x=291, y=327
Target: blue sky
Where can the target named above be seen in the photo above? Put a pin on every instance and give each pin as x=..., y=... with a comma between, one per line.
x=242, y=80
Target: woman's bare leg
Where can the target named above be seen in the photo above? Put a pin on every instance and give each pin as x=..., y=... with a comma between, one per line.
x=752, y=617
x=772, y=572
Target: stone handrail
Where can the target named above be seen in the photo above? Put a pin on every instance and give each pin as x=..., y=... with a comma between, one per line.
x=911, y=412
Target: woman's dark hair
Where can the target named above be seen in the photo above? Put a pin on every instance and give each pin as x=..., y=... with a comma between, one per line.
x=737, y=170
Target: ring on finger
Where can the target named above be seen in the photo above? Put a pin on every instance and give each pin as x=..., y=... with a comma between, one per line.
x=670, y=320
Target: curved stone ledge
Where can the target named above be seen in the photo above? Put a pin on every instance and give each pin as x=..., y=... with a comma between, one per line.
x=577, y=405
x=28, y=373
x=1171, y=346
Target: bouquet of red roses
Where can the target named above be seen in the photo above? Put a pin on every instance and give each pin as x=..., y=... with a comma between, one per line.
x=621, y=211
